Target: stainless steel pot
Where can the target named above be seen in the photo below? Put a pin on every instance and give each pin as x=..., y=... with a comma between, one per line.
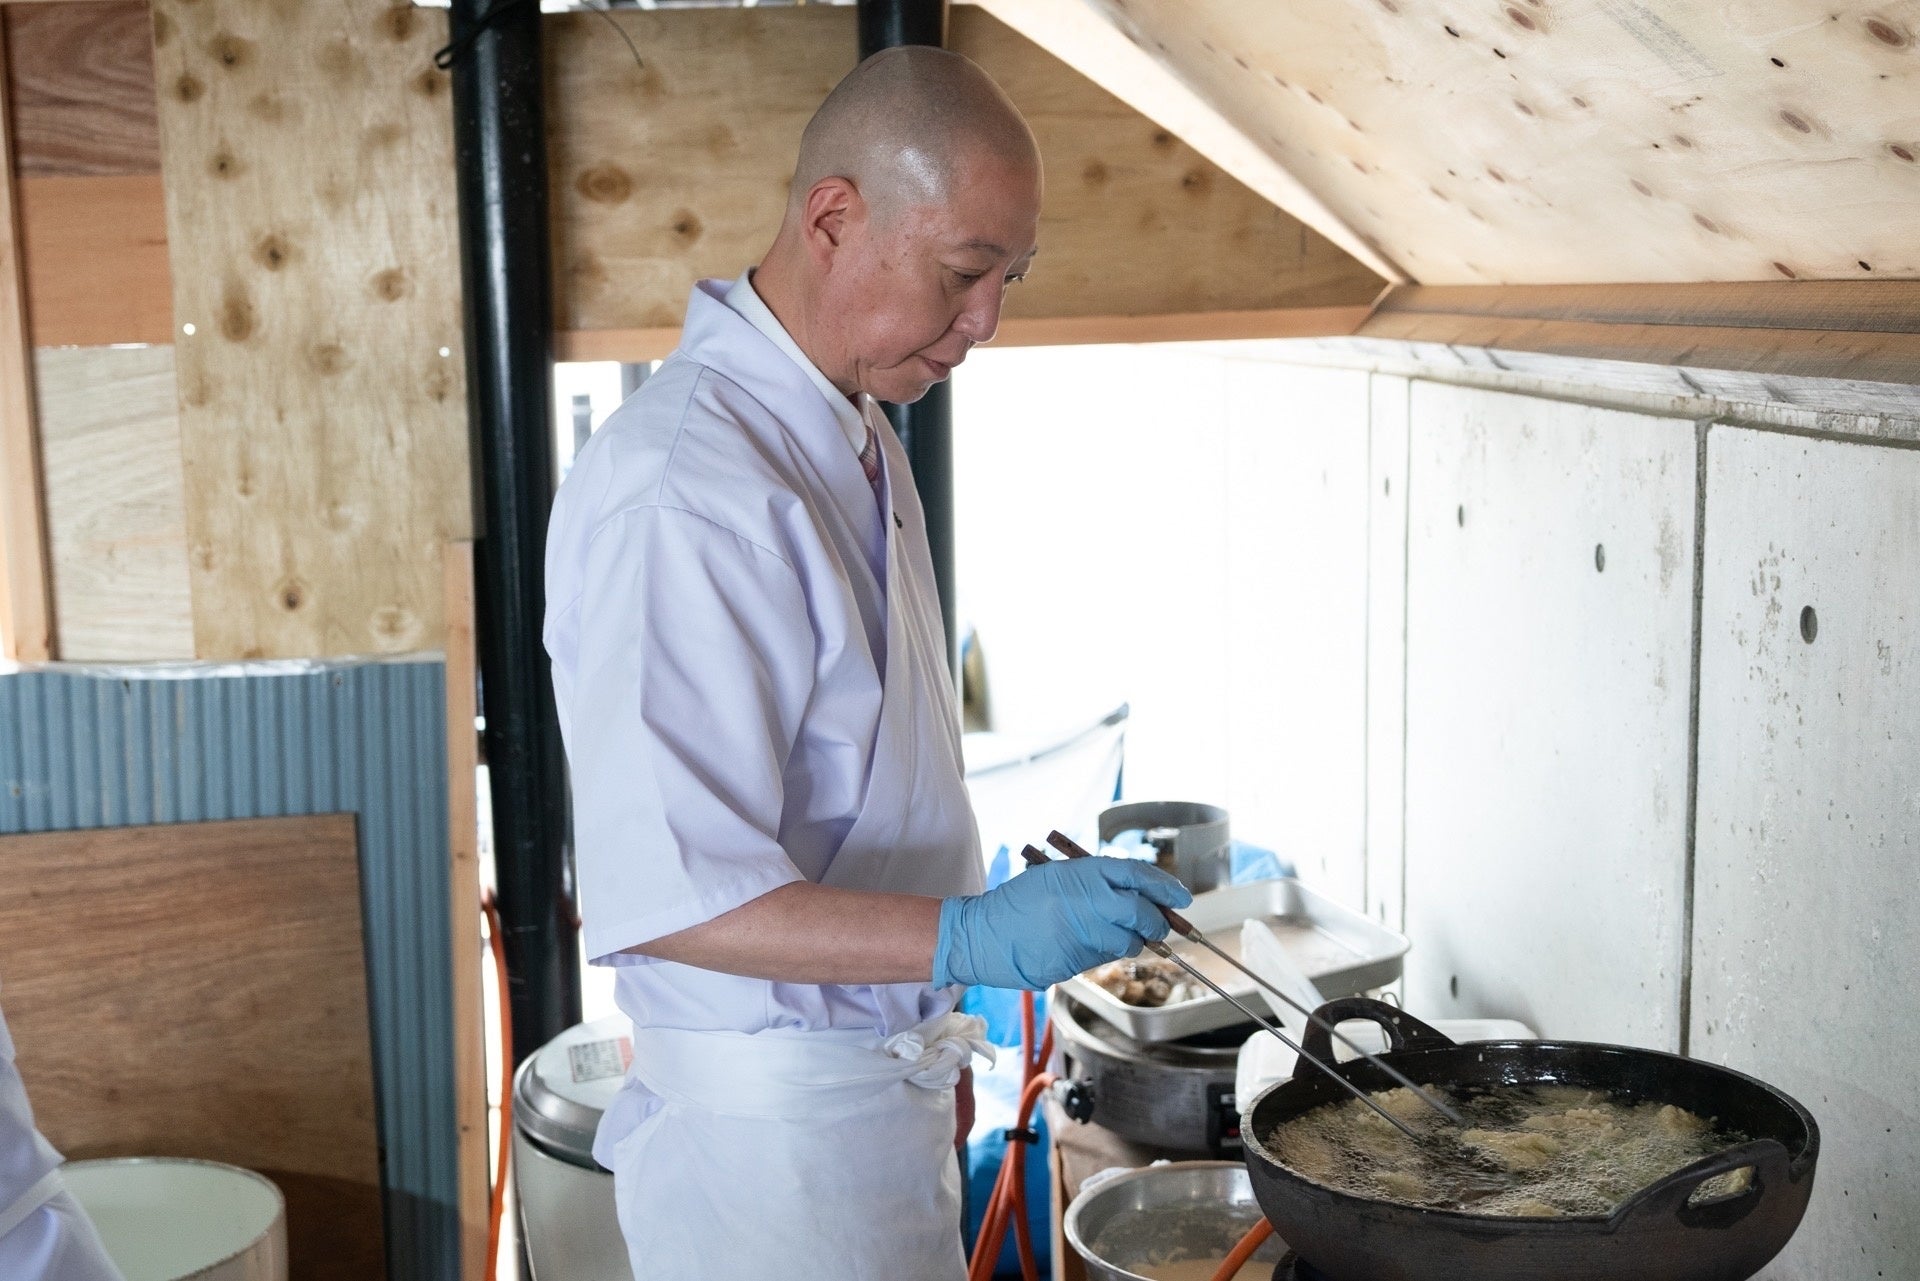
x=1189, y=840
x=1164, y=1094
x=1164, y=1214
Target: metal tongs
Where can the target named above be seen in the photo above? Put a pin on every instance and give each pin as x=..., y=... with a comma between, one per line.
x=1186, y=929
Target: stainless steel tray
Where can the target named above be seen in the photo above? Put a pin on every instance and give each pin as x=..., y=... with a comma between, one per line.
x=1342, y=951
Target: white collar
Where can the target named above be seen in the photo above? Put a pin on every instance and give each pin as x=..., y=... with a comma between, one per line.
x=746, y=300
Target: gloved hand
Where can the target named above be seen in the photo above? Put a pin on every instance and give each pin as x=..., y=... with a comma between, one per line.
x=1052, y=921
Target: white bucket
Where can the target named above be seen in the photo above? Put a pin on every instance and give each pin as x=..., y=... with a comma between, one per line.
x=171, y=1219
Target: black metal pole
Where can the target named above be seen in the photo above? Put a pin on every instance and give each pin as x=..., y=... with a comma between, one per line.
x=926, y=426
x=500, y=159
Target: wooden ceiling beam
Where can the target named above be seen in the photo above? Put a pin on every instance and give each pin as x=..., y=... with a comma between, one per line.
x=1865, y=331
x=1073, y=32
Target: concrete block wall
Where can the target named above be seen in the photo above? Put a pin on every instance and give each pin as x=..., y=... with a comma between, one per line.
x=1641, y=696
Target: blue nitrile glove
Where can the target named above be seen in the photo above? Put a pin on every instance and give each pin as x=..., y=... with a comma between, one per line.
x=1052, y=921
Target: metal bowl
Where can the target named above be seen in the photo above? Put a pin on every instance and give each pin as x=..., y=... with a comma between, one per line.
x=1164, y=1214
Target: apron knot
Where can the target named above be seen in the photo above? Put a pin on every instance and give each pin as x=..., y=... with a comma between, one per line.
x=941, y=1048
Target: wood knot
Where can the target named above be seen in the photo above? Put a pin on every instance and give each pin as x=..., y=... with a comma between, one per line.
x=236, y=315
x=390, y=285
x=291, y=594
x=328, y=359
x=1642, y=187
x=188, y=87
x=686, y=225
x=1900, y=151
x=270, y=107
x=1522, y=19
x=224, y=164
x=1161, y=138
x=429, y=83
x=398, y=22
x=272, y=251
x=230, y=51
x=1795, y=121
x=1193, y=180
x=605, y=184
x=1580, y=102
x=1709, y=224
x=162, y=30
x=1094, y=174
x=1786, y=271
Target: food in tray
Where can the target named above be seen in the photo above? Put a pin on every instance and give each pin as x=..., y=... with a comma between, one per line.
x=1146, y=981
x=1530, y=1152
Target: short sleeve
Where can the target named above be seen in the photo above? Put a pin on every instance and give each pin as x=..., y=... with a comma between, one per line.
x=693, y=669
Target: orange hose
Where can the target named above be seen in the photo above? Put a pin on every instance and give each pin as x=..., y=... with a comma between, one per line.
x=497, y=1207
x=1237, y=1257
x=1009, y=1195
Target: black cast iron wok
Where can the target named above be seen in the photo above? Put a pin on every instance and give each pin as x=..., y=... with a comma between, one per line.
x=1657, y=1235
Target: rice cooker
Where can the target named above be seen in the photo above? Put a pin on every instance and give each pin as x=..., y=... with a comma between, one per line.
x=567, y=1217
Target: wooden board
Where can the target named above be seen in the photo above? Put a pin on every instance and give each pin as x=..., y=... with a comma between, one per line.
x=1577, y=140
x=1806, y=910
x=199, y=989
x=463, y=879
x=93, y=215
x=658, y=180
x=80, y=85
x=312, y=229
x=96, y=259
x=1857, y=330
x=1548, y=713
x=26, y=618
x=116, y=517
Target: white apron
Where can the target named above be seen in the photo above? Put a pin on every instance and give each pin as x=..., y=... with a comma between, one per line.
x=821, y=1153
x=44, y=1234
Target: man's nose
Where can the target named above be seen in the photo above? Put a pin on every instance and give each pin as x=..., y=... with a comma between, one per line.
x=980, y=319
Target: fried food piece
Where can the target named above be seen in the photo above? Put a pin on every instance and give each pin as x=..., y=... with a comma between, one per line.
x=1517, y=1150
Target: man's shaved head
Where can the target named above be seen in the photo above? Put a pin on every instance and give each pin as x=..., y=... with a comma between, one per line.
x=904, y=124
x=915, y=205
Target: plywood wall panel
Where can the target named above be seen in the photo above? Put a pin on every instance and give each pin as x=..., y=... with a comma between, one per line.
x=1548, y=712
x=116, y=515
x=199, y=990
x=312, y=231
x=1806, y=911
x=80, y=83
x=678, y=169
x=1578, y=140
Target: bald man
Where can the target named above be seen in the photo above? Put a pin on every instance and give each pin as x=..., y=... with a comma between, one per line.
x=774, y=841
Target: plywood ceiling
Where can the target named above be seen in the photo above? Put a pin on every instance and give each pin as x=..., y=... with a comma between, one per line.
x=1535, y=141
x=678, y=169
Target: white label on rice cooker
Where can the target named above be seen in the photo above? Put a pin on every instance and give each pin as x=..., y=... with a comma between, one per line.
x=597, y=1060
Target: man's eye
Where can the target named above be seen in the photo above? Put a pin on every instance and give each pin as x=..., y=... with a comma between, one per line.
x=968, y=277
x=1016, y=278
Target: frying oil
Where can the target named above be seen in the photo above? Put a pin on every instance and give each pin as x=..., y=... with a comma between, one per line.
x=1537, y=1151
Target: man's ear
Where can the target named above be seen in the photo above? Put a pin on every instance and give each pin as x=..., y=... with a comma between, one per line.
x=832, y=208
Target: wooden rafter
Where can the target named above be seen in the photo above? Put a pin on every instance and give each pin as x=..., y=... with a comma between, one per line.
x=26, y=598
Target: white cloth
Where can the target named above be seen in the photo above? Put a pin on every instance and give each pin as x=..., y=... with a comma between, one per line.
x=747, y=703
x=44, y=1234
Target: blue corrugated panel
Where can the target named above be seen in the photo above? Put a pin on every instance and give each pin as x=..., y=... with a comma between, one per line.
x=108, y=748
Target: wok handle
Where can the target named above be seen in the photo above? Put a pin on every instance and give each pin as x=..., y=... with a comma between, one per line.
x=1669, y=1198
x=1404, y=1032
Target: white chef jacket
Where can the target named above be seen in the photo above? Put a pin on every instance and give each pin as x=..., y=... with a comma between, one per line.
x=44, y=1234
x=718, y=636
